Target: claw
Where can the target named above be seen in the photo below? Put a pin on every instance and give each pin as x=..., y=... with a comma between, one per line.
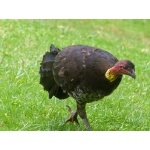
x=73, y=116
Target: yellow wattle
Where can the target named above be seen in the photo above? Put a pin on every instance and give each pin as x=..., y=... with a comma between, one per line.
x=110, y=75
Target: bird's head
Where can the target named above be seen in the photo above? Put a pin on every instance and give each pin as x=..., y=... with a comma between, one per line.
x=122, y=67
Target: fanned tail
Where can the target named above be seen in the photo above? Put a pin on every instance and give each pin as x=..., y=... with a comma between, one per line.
x=46, y=74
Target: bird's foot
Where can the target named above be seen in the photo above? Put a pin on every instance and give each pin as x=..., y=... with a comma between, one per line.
x=73, y=116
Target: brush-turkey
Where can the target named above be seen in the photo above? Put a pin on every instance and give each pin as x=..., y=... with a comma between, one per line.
x=85, y=73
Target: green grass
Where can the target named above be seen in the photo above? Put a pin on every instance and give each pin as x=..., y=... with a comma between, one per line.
x=25, y=106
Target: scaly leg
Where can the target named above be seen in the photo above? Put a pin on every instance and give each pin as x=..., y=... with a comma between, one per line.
x=73, y=116
x=82, y=113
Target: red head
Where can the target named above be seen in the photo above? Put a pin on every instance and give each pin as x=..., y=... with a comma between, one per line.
x=125, y=67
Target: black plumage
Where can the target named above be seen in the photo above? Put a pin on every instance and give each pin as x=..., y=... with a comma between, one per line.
x=80, y=72
x=46, y=74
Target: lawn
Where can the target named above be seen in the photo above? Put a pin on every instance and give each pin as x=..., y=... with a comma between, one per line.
x=25, y=106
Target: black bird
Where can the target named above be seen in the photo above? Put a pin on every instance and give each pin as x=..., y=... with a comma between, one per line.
x=85, y=73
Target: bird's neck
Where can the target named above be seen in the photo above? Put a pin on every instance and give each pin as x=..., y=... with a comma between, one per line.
x=111, y=74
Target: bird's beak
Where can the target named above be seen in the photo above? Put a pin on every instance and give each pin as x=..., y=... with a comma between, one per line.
x=132, y=74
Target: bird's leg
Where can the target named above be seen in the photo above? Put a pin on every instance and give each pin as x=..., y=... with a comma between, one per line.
x=82, y=113
x=73, y=116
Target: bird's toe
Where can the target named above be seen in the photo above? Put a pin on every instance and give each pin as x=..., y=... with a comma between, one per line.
x=73, y=116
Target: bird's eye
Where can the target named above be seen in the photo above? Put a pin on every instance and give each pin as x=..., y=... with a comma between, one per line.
x=121, y=67
x=125, y=67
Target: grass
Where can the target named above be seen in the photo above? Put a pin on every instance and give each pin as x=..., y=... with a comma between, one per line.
x=24, y=106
